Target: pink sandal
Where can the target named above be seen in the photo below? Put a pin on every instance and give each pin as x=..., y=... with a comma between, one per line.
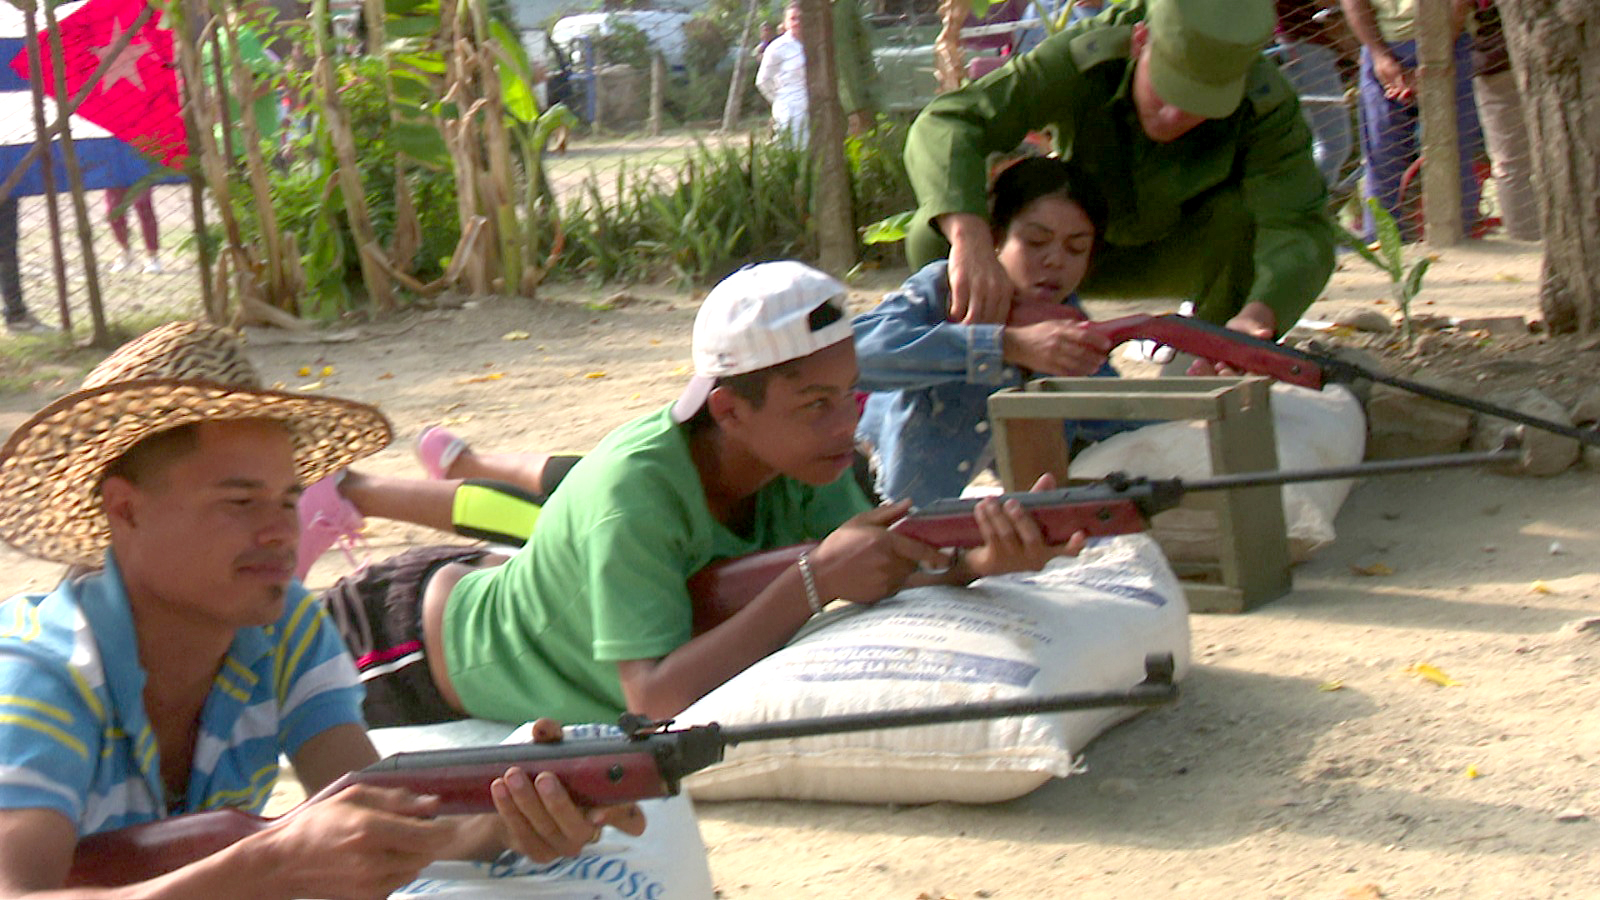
x=326, y=519
x=437, y=450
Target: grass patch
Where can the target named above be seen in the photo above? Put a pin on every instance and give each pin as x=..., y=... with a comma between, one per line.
x=53, y=364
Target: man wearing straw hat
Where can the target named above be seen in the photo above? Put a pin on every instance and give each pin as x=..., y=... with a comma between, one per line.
x=169, y=675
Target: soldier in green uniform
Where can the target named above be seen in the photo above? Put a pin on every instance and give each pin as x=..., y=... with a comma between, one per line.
x=1194, y=137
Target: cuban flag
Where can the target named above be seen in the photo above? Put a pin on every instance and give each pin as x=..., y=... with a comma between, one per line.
x=128, y=120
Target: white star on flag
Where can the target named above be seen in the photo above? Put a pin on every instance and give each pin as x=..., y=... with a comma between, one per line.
x=125, y=66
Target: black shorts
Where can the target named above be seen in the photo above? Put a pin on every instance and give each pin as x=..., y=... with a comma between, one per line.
x=379, y=613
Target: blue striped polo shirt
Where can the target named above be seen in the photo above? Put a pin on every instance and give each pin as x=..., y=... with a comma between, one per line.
x=74, y=736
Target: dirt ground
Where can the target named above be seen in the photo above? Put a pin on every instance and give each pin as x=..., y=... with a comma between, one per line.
x=1303, y=760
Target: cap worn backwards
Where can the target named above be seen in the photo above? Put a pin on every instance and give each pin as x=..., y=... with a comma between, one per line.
x=758, y=317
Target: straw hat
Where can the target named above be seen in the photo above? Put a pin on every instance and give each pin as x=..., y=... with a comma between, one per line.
x=178, y=374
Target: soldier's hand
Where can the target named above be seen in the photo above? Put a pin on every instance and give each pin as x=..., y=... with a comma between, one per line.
x=980, y=290
x=1257, y=320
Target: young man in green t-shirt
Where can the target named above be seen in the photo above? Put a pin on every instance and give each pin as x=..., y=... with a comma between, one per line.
x=592, y=615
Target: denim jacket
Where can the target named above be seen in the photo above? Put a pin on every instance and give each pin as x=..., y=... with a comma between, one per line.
x=927, y=419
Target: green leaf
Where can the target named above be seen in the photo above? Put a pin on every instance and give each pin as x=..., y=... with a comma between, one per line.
x=1413, y=284
x=887, y=231
x=422, y=143
x=1389, y=243
x=1359, y=244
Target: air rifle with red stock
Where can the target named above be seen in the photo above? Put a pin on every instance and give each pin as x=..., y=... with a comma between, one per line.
x=1116, y=504
x=649, y=759
x=1260, y=357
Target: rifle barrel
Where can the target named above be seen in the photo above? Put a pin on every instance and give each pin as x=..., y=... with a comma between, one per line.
x=1156, y=689
x=1360, y=470
x=1346, y=369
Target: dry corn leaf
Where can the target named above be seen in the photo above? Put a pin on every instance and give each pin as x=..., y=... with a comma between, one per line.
x=487, y=376
x=1432, y=673
x=1374, y=570
x=515, y=336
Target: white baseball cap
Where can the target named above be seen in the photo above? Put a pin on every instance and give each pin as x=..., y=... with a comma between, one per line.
x=760, y=316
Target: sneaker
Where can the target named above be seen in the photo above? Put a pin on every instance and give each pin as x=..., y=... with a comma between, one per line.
x=437, y=450
x=28, y=325
x=326, y=519
x=122, y=263
x=154, y=267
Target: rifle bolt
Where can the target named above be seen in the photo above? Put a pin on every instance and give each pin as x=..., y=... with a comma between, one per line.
x=615, y=773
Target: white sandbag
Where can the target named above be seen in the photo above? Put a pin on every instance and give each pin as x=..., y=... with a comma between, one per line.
x=667, y=862
x=1082, y=624
x=1314, y=430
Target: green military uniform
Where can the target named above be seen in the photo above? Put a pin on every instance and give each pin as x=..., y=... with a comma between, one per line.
x=1231, y=212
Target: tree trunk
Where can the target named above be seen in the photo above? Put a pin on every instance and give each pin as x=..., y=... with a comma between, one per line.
x=949, y=62
x=1436, y=101
x=741, y=62
x=1555, y=53
x=833, y=220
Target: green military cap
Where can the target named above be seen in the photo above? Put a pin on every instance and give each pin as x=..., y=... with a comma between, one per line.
x=1201, y=50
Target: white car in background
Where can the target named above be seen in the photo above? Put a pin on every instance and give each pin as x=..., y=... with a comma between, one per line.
x=663, y=27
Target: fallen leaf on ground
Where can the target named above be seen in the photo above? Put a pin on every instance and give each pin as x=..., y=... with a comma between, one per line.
x=1335, y=685
x=456, y=420
x=487, y=376
x=515, y=336
x=303, y=370
x=1539, y=587
x=594, y=374
x=326, y=371
x=313, y=386
x=1431, y=673
x=683, y=370
x=1363, y=892
x=1375, y=569
x=1472, y=772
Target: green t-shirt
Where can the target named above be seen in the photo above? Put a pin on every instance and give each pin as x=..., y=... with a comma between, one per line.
x=603, y=578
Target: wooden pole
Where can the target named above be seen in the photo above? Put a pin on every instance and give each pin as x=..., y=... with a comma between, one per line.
x=834, y=218
x=658, y=78
x=100, y=335
x=1436, y=99
x=58, y=262
x=741, y=63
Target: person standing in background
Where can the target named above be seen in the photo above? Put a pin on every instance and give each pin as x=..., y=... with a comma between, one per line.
x=1390, y=125
x=782, y=79
x=117, y=215
x=18, y=319
x=1500, y=109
